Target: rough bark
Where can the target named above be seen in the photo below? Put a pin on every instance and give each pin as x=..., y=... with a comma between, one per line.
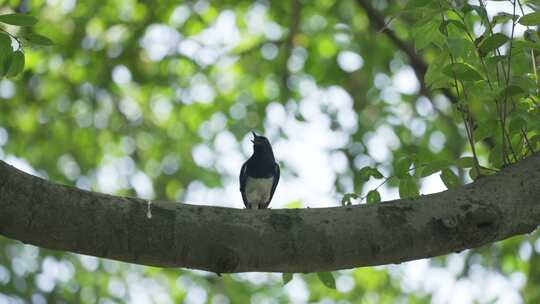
x=38, y=212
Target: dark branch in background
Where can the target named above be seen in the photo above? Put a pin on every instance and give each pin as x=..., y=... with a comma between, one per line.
x=294, y=25
x=224, y=240
x=417, y=62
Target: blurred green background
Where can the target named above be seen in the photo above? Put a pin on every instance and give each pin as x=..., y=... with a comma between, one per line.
x=156, y=99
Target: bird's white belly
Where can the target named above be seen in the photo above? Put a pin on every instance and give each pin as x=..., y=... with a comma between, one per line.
x=258, y=190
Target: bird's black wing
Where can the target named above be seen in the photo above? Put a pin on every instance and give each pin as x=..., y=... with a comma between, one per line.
x=243, y=179
x=274, y=184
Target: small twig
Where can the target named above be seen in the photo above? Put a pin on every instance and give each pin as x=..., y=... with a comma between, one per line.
x=489, y=169
x=387, y=24
x=527, y=141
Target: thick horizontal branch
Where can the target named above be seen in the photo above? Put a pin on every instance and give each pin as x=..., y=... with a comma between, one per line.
x=38, y=212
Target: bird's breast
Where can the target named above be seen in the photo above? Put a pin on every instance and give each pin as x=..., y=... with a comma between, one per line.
x=258, y=189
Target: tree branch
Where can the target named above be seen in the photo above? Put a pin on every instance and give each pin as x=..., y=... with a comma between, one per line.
x=224, y=240
x=417, y=62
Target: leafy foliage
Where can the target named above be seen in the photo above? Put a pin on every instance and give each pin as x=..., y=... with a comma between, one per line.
x=12, y=60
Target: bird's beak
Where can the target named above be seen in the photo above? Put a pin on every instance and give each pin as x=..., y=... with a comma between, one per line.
x=254, y=137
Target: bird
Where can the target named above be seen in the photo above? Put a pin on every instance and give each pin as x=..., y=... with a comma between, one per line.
x=259, y=175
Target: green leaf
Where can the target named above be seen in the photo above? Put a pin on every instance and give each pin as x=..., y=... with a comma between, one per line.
x=434, y=77
x=457, y=23
x=5, y=53
x=494, y=60
x=502, y=17
x=531, y=35
x=286, y=277
x=327, y=278
x=347, y=197
x=373, y=197
x=39, y=39
x=402, y=166
x=433, y=167
x=376, y=173
x=5, y=41
x=457, y=46
x=496, y=156
x=517, y=125
x=18, y=19
x=427, y=32
x=413, y=4
x=465, y=162
x=525, y=45
x=17, y=64
x=511, y=90
x=408, y=188
x=492, y=42
x=473, y=174
x=462, y=71
x=366, y=172
x=481, y=11
x=486, y=128
x=450, y=179
x=530, y=19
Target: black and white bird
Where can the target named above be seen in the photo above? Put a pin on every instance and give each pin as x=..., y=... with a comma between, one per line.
x=259, y=175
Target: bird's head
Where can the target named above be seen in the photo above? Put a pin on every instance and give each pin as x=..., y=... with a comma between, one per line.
x=259, y=140
x=261, y=145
